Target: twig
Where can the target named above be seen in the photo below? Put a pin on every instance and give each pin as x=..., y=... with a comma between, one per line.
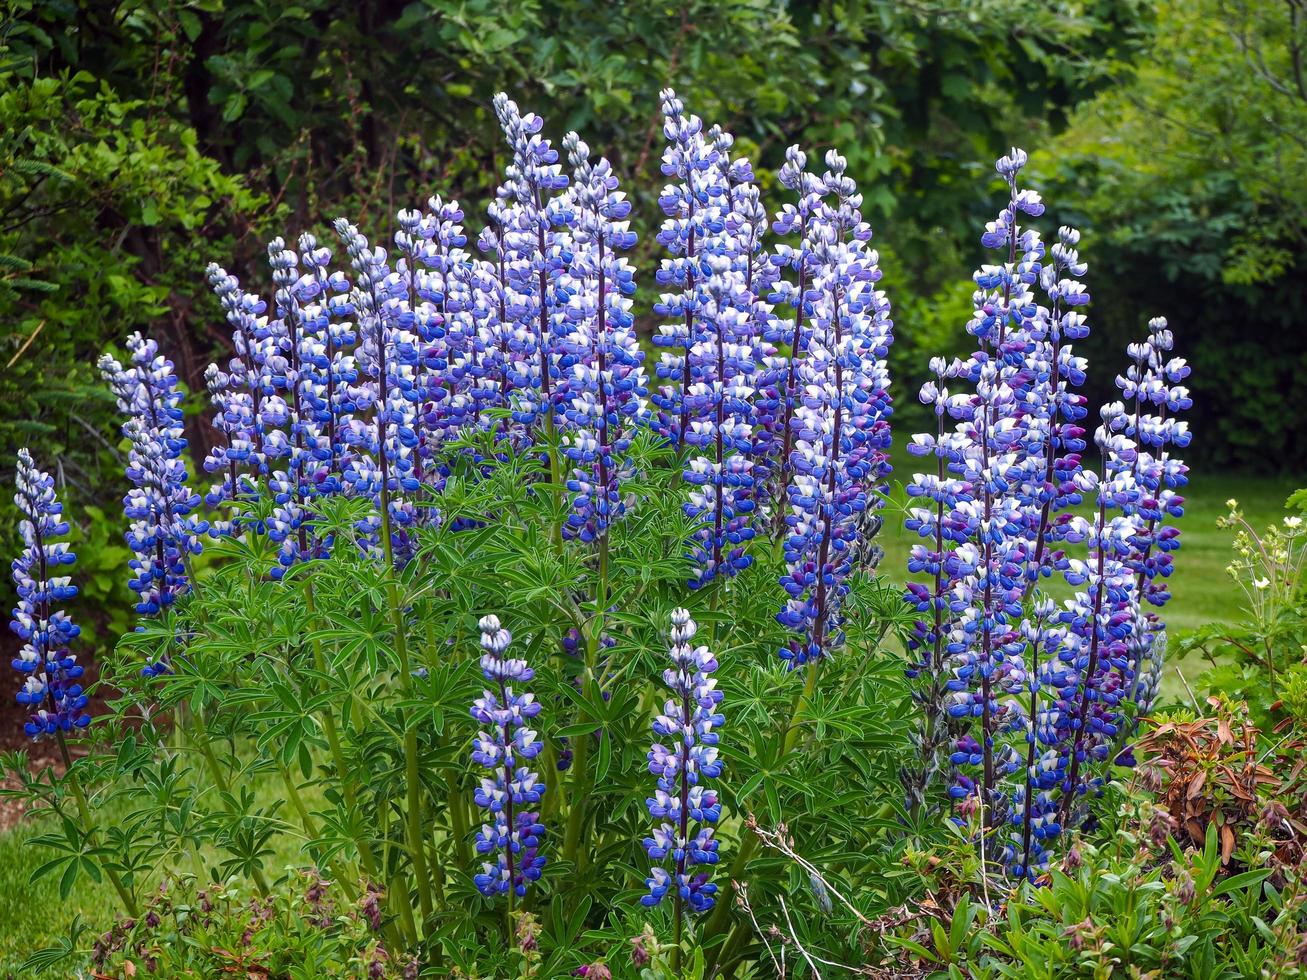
x=1189, y=689
x=794, y=936
x=742, y=899
x=26, y=344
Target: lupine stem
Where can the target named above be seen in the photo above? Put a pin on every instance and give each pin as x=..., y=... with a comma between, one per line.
x=224, y=786
x=343, y=772
x=749, y=846
x=581, y=759
x=88, y=825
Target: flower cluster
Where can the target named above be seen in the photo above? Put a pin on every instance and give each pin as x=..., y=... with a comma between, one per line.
x=1038, y=691
x=532, y=251
x=164, y=533
x=839, y=421
x=50, y=694
x=605, y=384
x=689, y=722
x=502, y=746
x=718, y=399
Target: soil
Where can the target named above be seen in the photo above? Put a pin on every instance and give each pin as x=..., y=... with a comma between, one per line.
x=41, y=753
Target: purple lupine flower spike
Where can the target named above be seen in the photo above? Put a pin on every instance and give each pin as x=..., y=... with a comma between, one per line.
x=237, y=460
x=535, y=250
x=382, y=448
x=693, y=206
x=604, y=397
x=51, y=694
x=686, y=808
x=514, y=832
x=841, y=429
x=164, y=533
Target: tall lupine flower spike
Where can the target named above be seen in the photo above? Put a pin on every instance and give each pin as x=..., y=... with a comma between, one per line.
x=728, y=378
x=607, y=380
x=449, y=345
x=991, y=519
x=163, y=534
x=694, y=204
x=799, y=220
x=1100, y=618
x=236, y=458
x=839, y=461
x=51, y=694
x=327, y=361
x=939, y=513
x=1050, y=447
x=686, y=807
x=514, y=832
x=537, y=250
x=381, y=465
x=295, y=358
x=1153, y=394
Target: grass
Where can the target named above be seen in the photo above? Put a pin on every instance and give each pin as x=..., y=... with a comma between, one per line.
x=33, y=915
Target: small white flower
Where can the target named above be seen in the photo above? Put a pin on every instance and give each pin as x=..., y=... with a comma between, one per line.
x=1261, y=583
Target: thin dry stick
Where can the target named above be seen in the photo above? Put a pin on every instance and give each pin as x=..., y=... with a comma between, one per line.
x=742, y=899
x=778, y=840
x=26, y=344
x=794, y=936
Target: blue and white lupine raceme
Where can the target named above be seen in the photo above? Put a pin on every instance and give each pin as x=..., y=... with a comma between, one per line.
x=605, y=384
x=1039, y=690
x=686, y=808
x=51, y=694
x=536, y=249
x=164, y=533
x=503, y=746
x=841, y=423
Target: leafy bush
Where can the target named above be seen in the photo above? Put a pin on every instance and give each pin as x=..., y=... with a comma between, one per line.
x=494, y=625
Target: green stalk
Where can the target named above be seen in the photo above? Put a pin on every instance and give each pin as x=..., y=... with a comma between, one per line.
x=224, y=786
x=581, y=757
x=88, y=827
x=412, y=776
x=343, y=772
x=749, y=846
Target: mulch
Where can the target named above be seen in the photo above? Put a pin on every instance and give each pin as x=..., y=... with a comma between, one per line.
x=42, y=753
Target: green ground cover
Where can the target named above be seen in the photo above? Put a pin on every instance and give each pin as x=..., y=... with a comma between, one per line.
x=33, y=916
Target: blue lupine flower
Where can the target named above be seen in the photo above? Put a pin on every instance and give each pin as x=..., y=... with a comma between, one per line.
x=694, y=206
x=237, y=396
x=682, y=803
x=799, y=220
x=297, y=362
x=841, y=428
x=514, y=832
x=164, y=533
x=51, y=694
x=383, y=444
x=716, y=337
x=535, y=249
x=606, y=384
x=1037, y=689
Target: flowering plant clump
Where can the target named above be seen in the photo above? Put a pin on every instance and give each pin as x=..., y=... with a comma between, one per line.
x=1037, y=694
x=442, y=476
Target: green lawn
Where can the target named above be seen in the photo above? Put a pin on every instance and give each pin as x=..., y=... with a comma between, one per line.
x=32, y=916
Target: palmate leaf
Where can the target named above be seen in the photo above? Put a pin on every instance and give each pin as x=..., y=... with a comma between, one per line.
x=65, y=949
